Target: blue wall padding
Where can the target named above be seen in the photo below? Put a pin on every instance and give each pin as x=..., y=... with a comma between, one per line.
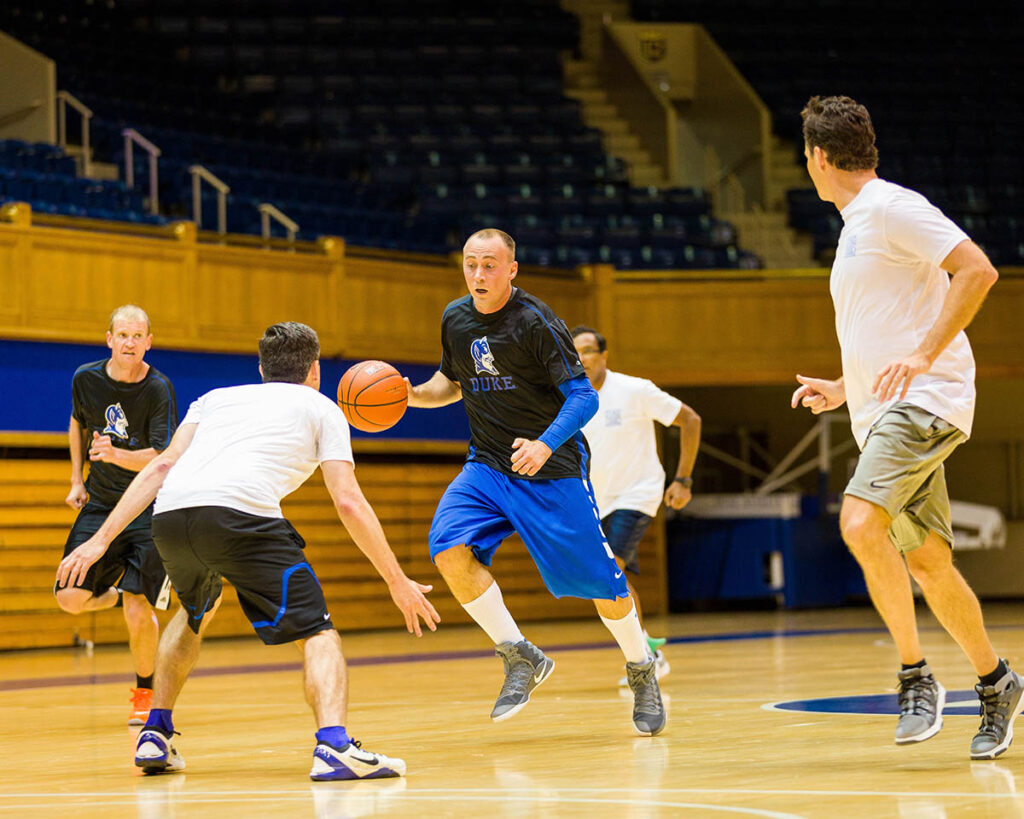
x=35, y=386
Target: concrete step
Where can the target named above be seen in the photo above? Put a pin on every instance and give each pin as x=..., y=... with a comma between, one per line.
x=572, y=67
x=595, y=96
x=108, y=171
x=776, y=244
x=600, y=110
x=635, y=158
x=584, y=81
x=607, y=125
x=615, y=144
x=643, y=175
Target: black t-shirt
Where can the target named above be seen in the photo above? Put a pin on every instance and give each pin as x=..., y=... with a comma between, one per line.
x=509, y=365
x=135, y=416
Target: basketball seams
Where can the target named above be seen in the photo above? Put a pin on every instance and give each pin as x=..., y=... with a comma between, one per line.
x=351, y=393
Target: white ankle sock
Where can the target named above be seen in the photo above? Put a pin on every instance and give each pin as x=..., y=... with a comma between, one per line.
x=489, y=612
x=630, y=637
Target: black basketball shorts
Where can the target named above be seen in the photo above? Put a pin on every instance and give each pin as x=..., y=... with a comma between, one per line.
x=261, y=557
x=131, y=563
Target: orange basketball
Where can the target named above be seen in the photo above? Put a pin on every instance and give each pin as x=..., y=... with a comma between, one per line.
x=372, y=395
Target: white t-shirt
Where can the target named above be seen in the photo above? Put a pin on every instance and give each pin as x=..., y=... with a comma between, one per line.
x=624, y=467
x=888, y=290
x=254, y=444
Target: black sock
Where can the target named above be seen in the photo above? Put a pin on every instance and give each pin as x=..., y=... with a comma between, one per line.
x=995, y=676
x=915, y=665
x=144, y=682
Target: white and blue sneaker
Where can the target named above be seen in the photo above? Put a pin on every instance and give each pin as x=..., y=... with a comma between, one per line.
x=352, y=762
x=155, y=753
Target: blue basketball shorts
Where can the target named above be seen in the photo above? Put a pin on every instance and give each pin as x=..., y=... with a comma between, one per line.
x=557, y=520
x=624, y=529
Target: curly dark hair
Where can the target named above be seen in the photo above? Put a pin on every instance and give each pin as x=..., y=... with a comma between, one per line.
x=842, y=128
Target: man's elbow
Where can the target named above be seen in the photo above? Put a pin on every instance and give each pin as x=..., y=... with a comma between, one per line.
x=589, y=409
x=348, y=503
x=161, y=466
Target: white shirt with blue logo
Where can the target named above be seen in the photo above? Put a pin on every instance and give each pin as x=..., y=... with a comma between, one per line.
x=888, y=291
x=624, y=466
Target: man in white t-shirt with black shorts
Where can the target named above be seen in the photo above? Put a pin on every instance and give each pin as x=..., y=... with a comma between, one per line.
x=908, y=379
x=218, y=490
x=628, y=478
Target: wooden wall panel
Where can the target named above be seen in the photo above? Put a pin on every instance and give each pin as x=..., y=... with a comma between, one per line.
x=392, y=309
x=691, y=328
x=73, y=274
x=34, y=522
x=759, y=332
x=240, y=292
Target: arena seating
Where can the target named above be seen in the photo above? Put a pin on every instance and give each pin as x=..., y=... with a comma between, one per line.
x=42, y=175
x=318, y=111
x=943, y=91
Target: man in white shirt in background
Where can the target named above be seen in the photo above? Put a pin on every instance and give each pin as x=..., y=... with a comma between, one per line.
x=218, y=490
x=628, y=478
x=908, y=379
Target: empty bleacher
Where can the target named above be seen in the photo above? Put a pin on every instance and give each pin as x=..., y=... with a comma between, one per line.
x=944, y=93
x=394, y=125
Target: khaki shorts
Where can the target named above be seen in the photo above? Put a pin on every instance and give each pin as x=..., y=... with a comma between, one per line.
x=900, y=470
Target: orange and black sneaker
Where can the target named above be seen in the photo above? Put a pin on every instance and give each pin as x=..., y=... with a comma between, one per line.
x=142, y=701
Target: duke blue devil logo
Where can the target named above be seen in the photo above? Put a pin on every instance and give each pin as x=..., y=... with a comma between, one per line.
x=483, y=357
x=117, y=422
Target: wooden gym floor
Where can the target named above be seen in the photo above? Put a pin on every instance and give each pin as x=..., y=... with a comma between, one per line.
x=728, y=750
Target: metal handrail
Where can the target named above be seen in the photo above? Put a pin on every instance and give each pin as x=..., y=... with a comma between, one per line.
x=268, y=212
x=200, y=175
x=131, y=136
x=64, y=99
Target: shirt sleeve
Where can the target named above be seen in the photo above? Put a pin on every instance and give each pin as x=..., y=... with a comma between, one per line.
x=658, y=404
x=555, y=350
x=446, y=359
x=334, y=442
x=918, y=228
x=163, y=416
x=78, y=402
x=195, y=411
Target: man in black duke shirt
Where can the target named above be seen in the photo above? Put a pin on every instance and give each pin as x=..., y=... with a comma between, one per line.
x=124, y=413
x=512, y=361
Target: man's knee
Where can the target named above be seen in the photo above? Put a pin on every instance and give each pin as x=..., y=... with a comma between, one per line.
x=931, y=561
x=137, y=609
x=73, y=600
x=864, y=525
x=454, y=562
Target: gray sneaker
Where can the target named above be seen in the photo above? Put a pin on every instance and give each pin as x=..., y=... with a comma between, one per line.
x=1000, y=704
x=648, y=710
x=921, y=701
x=526, y=667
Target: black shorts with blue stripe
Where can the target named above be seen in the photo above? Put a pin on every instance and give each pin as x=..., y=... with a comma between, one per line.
x=261, y=557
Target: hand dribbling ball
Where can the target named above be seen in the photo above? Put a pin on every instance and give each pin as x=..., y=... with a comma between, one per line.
x=373, y=396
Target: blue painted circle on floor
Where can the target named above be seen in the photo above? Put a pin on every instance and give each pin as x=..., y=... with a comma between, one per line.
x=958, y=703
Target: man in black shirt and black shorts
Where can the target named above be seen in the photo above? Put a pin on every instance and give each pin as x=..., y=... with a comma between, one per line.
x=123, y=415
x=512, y=361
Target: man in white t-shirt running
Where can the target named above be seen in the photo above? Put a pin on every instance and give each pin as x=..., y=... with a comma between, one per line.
x=218, y=490
x=908, y=379
x=628, y=478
